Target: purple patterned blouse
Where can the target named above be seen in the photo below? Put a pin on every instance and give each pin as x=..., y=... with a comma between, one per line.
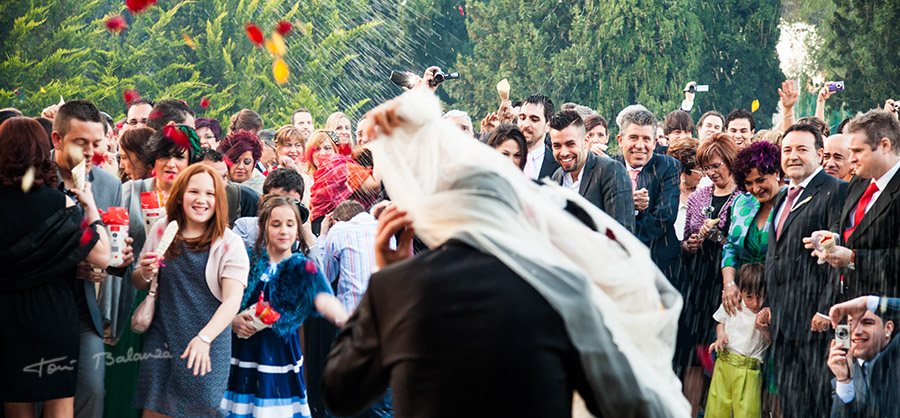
x=700, y=199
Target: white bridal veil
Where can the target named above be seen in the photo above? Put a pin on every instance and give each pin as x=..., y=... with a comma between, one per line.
x=620, y=311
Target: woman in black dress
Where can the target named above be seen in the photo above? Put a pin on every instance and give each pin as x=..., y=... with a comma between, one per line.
x=44, y=236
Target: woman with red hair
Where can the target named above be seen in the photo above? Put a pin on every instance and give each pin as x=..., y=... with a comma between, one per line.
x=242, y=150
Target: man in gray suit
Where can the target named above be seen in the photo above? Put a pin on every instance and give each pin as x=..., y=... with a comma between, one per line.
x=601, y=180
x=79, y=128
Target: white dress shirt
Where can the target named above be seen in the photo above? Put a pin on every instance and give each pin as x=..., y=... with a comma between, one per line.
x=743, y=337
x=574, y=185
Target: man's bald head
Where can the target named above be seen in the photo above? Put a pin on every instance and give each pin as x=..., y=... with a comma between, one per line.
x=836, y=160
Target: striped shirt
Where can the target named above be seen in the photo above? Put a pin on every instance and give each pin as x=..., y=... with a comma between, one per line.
x=347, y=255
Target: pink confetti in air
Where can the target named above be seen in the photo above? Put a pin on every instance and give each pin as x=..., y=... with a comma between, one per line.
x=461, y=12
x=161, y=264
x=311, y=267
x=610, y=234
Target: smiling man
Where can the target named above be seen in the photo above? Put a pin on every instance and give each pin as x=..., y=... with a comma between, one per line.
x=654, y=183
x=812, y=202
x=865, y=375
x=600, y=180
x=741, y=126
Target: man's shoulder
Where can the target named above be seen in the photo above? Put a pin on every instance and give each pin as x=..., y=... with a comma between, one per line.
x=105, y=179
x=665, y=161
x=557, y=175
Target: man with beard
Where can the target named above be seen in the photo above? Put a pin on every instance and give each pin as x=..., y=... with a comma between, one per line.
x=302, y=120
x=533, y=117
x=600, y=180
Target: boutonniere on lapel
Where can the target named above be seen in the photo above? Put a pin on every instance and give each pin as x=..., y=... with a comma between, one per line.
x=803, y=202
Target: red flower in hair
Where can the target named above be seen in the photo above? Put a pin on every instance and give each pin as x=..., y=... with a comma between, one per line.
x=177, y=136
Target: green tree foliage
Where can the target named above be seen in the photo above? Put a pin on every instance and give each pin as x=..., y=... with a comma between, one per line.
x=514, y=40
x=74, y=56
x=738, y=58
x=861, y=49
x=629, y=52
x=608, y=54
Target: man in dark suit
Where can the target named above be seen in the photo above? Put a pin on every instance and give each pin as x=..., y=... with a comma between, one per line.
x=794, y=280
x=868, y=263
x=654, y=180
x=493, y=355
x=79, y=126
x=866, y=376
x=600, y=180
x=533, y=120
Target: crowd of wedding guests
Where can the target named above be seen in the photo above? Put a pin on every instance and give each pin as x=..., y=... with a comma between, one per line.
x=762, y=232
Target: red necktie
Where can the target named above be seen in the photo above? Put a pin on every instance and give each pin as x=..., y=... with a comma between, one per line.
x=788, y=205
x=861, y=209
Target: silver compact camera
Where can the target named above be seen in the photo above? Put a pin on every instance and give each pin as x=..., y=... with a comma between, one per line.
x=842, y=335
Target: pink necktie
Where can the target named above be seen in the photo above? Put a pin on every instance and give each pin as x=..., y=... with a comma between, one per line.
x=788, y=205
x=633, y=174
x=529, y=167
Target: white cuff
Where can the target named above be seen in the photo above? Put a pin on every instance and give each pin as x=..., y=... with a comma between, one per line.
x=845, y=391
x=872, y=303
x=687, y=105
x=823, y=316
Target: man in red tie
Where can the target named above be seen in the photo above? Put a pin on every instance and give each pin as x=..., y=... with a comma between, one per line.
x=869, y=261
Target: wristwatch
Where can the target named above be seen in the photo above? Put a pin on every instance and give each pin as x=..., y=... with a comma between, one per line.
x=204, y=339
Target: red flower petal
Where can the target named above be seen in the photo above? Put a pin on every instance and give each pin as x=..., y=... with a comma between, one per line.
x=84, y=223
x=284, y=27
x=461, y=13
x=255, y=35
x=204, y=102
x=177, y=136
x=130, y=96
x=228, y=162
x=116, y=24
x=156, y=114
x=137, y=6
x=98, y=158
x=311, y=267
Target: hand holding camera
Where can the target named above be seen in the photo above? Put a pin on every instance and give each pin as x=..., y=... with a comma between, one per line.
x=838, y=360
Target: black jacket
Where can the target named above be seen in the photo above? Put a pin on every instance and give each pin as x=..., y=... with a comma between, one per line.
x=606, y=184
x=795, y=281
x=455, y=333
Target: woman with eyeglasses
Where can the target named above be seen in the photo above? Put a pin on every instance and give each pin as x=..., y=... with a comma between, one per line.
x=242, y=150
x=706, y=222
